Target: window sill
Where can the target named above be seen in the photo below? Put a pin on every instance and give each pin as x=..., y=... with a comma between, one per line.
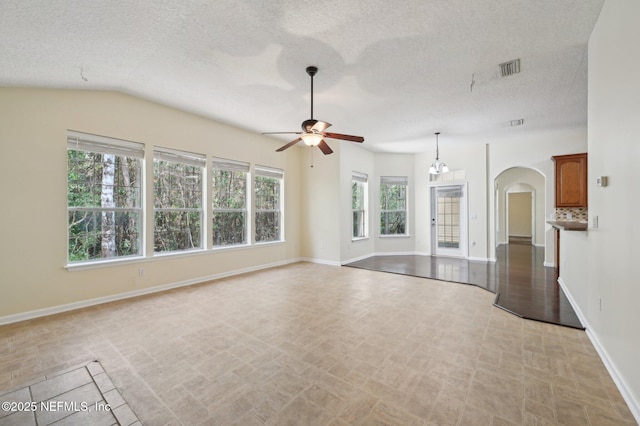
x=267, y=243
x=359, y=239
x=80, y=266
x=395, y=236
x=182, y=253
x=231, y=247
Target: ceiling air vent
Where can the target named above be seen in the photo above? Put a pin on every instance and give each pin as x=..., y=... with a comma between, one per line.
x=510, y=68
x=518, y=122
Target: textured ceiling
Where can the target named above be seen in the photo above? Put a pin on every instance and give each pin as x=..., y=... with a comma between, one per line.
x=393, y=72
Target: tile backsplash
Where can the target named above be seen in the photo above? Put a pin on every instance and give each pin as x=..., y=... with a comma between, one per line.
x=579, y=214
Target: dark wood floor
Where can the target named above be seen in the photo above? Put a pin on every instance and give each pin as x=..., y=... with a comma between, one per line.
x=523, y=285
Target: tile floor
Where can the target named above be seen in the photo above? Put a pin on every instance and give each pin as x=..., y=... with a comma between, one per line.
x=309, y=344
x=79, y=395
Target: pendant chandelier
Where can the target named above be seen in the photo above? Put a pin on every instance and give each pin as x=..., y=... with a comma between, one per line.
x=438, y=166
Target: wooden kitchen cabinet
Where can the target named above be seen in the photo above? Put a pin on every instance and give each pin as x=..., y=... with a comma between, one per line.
x=571, y=180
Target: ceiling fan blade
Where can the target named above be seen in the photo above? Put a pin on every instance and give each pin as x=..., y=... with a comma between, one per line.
x=326, y=150
x=320, y=126
x=350, y=138
x=293, y=142
x=281, y=133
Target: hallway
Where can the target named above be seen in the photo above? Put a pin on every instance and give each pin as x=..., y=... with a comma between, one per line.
x=521, y=282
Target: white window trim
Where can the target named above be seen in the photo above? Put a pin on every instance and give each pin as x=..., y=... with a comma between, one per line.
x=364, y=179
x=191, y=159
x=146, y=209
x=225, y=164
x=80, y=141
x=276, y=173
x=397, y=180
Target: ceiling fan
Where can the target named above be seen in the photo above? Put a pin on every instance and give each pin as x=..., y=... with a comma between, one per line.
x=313, y=131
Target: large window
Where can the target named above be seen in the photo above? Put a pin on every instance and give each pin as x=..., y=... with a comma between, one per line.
x=229, y=199
x=104, y=181
x=359, y=204
x=177, y=190
x=393, y=205
x=269, y=203
x=107, y=206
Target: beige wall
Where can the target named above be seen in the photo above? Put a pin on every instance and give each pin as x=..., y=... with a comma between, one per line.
x=33, y=147
x=608, y=293
x=321, y=211
x=520, y=214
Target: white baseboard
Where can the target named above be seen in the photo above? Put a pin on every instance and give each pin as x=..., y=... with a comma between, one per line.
x=618, y=379
x=396, y=253
x=413, y=253
x=321, y=261
x=24, y=316
x=355, y=259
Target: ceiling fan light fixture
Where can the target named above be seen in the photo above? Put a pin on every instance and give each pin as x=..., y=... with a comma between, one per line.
x=311, y=139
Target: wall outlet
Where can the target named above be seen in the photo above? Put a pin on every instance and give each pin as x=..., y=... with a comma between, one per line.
x=594, y=222
x=141, y=272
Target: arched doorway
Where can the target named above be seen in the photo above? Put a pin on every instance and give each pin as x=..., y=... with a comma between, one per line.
x=529, y=183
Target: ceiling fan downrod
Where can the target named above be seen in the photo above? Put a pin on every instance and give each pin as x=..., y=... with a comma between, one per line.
x=311, y=70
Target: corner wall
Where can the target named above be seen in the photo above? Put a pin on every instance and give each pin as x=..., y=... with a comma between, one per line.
x=614, y=151
x=353, y=158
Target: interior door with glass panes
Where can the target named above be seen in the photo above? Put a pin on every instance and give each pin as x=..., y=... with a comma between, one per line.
x=448, y=220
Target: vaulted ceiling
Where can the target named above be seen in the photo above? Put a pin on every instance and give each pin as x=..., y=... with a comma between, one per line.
x=393, y=72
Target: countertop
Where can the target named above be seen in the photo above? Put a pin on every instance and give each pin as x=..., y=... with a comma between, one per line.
x=568, y=225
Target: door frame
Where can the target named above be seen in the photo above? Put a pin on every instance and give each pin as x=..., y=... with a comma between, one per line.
x=463, y=250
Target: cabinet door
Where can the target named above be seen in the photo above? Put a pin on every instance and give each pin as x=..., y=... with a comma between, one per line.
x=571, y=181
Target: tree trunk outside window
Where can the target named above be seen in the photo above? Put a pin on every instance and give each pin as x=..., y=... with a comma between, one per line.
x=108, y=244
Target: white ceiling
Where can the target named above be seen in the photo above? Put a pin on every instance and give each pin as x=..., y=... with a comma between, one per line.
x=394, y=72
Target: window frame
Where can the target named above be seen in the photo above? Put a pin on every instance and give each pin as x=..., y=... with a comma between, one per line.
x=95, y=144
x=387, y=181
x=360, y=179
x=273, y=173
x=185, y=158
x=222, y=164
